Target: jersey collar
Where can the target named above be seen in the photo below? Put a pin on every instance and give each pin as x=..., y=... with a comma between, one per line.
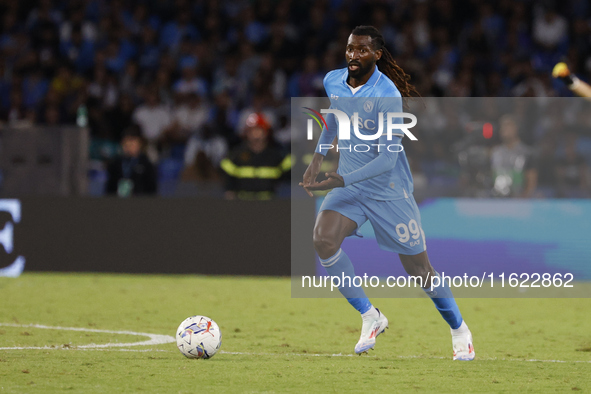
x=371, y=82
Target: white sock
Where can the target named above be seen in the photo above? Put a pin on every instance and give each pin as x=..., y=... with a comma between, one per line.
x=462, y=329
x=372, y=313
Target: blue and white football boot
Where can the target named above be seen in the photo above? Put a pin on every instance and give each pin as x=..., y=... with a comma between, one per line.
x=372, y=327
x=462, y=343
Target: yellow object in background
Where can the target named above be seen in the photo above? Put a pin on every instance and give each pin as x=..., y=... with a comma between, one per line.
x=560, y=70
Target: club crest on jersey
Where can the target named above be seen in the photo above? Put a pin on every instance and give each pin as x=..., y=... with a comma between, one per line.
x=368, y=106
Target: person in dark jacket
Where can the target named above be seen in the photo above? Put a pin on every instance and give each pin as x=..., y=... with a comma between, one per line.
x=254, y=169
x=132, y=173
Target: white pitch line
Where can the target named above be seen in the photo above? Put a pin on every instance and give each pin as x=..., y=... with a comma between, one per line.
x=288, y=354
x=77, y=348
x=158, y=339
x=401, y=357
x=155, y=339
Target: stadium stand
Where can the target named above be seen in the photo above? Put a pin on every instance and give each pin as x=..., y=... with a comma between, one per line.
x=163, y=64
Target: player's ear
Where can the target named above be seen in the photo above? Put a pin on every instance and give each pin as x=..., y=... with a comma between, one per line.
x=379, y=54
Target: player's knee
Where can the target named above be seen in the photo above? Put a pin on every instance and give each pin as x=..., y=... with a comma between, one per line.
x=325, y=246
x=420, y=271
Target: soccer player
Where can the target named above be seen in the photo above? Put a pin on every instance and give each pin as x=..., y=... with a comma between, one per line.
x=375, y=186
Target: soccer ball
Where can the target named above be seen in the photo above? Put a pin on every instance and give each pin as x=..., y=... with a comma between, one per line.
x=198, y=337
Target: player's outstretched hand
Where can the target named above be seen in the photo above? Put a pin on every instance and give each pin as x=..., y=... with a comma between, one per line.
x=334, y=180
x=312, y=172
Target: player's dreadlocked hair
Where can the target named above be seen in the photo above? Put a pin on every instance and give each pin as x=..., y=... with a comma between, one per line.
x=387, y=64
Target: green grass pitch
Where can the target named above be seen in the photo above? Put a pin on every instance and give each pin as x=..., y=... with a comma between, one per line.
x=273, y=343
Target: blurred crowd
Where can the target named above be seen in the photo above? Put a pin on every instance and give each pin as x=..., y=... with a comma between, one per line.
x=524, y=147
x=186, y=76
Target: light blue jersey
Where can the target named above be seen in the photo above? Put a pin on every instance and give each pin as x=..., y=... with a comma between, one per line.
x=379, y=174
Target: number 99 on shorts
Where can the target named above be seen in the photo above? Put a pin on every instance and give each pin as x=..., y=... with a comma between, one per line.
x=406, y=232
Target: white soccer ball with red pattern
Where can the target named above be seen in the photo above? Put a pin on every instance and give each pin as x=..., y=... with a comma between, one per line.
x=198, y=337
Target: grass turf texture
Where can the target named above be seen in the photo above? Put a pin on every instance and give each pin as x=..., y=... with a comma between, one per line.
x=257, y=315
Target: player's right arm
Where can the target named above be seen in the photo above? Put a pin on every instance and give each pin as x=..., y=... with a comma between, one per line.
x=329, y=132
x=312, y=172
x=326, y=138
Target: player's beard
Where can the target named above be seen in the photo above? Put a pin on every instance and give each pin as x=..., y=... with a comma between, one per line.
x=361, y=71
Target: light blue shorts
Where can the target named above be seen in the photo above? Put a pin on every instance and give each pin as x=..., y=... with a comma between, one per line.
x=397, y=223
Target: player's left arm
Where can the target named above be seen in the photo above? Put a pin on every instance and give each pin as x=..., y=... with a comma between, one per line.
x=385, y=161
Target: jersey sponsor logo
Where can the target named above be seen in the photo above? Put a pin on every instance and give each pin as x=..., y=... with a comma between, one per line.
x=394, y=124
x=368, y=124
